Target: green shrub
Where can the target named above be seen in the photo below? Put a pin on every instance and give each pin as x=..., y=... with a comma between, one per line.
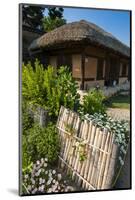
x=32, y=83
x=49, y=89
x=27, y=119
x=26, y=157
x=93, y=102
x=40, y=142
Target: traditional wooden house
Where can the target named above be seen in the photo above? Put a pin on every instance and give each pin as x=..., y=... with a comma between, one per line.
x=93, y=55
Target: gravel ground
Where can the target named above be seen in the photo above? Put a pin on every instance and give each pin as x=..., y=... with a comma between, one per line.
x=119, y=114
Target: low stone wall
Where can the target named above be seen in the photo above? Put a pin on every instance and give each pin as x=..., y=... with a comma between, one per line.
x=108, y=91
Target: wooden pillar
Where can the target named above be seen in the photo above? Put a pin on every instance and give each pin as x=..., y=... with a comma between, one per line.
x=107, y=67
x=119, y=68
x=82, y=71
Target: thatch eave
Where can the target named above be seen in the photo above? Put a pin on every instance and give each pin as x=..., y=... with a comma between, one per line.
x=80, y=33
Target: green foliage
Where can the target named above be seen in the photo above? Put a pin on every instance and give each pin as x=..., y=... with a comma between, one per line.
x=118, y=101
x=40, y=142
x=54, y=19
x=119, y=128
x=26, y=157
x=67, y=87
x=32, y=15
x=46, y=88
x=27, y=120
x=93, y=102
x=32, y=83
x=54, y=12
x=50, y=24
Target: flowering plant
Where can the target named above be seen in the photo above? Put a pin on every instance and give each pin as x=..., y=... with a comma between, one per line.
x=42, y=179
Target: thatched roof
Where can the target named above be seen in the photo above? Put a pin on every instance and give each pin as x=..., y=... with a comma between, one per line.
x=79, y=32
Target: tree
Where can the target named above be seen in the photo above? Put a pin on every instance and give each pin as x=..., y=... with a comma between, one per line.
x=54, y=19
x=32, y=16
x=55, y=12
x=50, y=24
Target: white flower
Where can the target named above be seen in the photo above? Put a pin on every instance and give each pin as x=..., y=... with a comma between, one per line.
x=33, y=181
x=38, y=167
x=54, y=181
x=46, y=172
x=57, y=183
x=45, y=164
x=40, y=180
x=48, y=182
x=49, y=190
x=42, y=160
x=37, y=174
x=54, y=188
x=39, y=171
x=26, y=176
x=42, y=188
x=38, y=162
x=50, y=174
x=59, y=177
x=58, y=187
x=54, y=172
x=46, y=159
x=34, y=191
x=43, y=180
x=29, y=187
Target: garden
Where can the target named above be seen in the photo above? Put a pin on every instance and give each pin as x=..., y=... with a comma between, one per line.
x=48, y=90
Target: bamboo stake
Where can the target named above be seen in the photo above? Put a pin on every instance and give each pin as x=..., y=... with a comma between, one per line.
x=67, y=142
x=100, y=159
x=103, y=161
x=85, y=162
x=100, y=143
x=107, y=161
x=92, y=156
x=69, y=121
x=97, y=152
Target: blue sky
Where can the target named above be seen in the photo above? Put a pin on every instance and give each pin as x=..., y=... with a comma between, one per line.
x=115, y=22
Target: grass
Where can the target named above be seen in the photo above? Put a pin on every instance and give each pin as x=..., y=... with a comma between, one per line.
x=119, y=101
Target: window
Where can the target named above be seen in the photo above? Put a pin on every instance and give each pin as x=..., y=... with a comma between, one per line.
x=90, y=68
x=65, y=60
x=100, y=68
x=124, y=70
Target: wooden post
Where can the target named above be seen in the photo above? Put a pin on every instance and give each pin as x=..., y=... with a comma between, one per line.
x=107, y=67
x=82, y=71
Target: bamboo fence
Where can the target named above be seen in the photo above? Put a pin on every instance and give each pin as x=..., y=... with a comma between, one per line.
x=88, y=153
